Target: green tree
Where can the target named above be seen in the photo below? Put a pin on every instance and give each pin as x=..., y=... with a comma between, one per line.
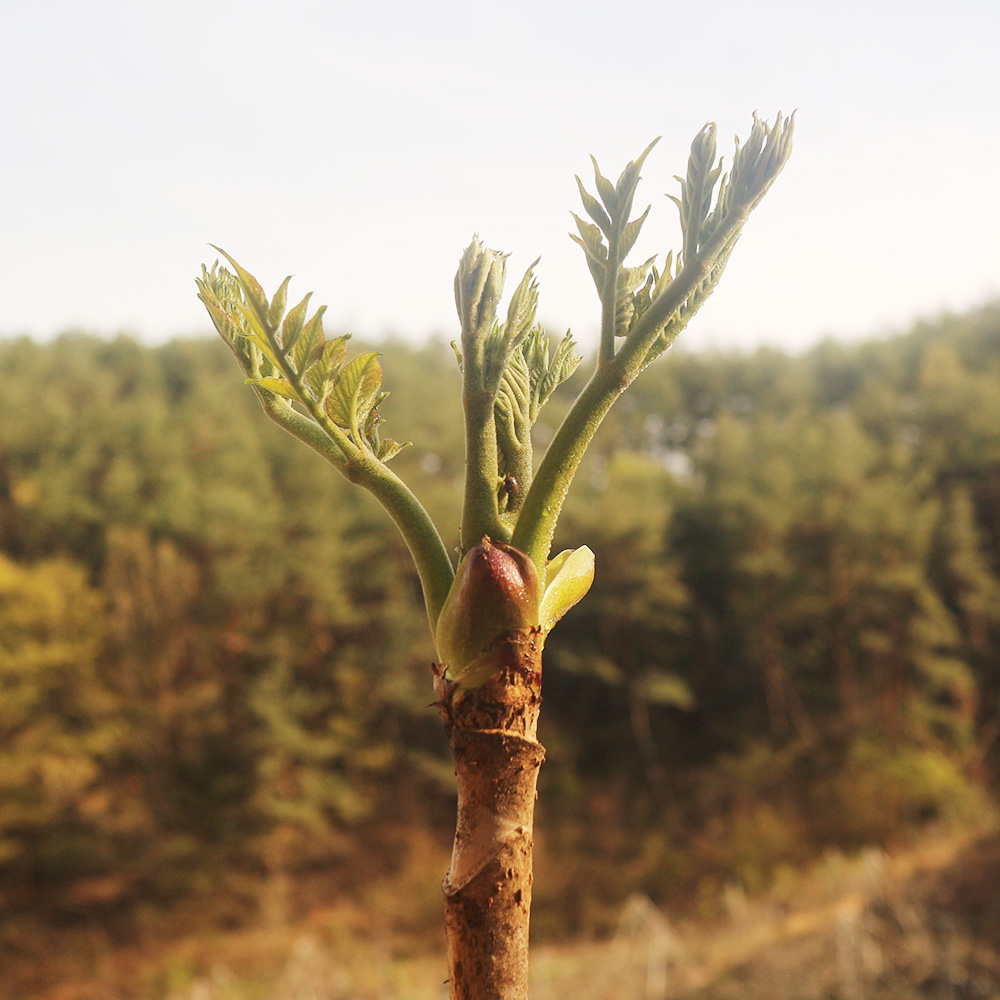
x=812, y=557
x=60, y=732
x=630, y=639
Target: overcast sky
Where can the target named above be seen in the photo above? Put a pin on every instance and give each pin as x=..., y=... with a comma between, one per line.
x=359, y=146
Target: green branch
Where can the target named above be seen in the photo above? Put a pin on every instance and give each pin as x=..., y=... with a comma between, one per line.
x=543, y=503
x=292, y=362
x=648, y=318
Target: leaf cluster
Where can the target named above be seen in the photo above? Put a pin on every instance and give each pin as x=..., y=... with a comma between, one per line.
x=289, y=356
x=307, y=385
x=608, y=241
x=644, y=308
x=527, y=382
x=507, y=376
x=649, y=306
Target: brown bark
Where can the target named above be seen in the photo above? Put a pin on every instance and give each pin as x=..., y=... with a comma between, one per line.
x=487, y=889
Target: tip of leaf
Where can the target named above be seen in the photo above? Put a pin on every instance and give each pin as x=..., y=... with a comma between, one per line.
x=647, y=151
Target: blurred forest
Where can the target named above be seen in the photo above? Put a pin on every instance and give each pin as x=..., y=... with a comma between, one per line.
x=215, y=672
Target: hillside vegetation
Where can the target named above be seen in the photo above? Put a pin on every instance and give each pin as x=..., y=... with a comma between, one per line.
x=214, y=673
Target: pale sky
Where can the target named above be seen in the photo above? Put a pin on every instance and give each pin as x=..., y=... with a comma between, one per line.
x=359, y=146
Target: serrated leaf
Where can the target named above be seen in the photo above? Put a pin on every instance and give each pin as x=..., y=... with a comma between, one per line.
x=221, y=320
x=594, y=209
x=604, y=188
x=389, y=449
x=512, y=407
x=630, y=278
x=326, y=367
x=372, y=422
x=255, y=296
x=593, y=246
x=257, y=338
x=309, y=341
x=353, y=393
x=293, y=324
x=597, y=268
x=627, y=184
x=627, y=304
x=253, y=323
x=277, y=307
x=590, y=238
x=631, y=233
x=521, y=313
x=536, y=351
x=662, y=281
x=565, y=361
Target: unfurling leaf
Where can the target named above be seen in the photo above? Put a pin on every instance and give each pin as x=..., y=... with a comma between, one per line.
x=546, y=377
x=354, y=392
x=478, y=287
x=629, y=280
x=321, y=373
x=521, y=312
x=696, y=190
x=528, y=381
x=501, y=344
x=255, y=297
x=608, y=243
x=567, y=579
x=389, y=449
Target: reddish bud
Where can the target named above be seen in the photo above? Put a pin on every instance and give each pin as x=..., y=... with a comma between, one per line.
x=495, y=590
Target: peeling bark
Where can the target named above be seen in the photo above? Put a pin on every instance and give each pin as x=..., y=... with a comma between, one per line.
x=487, y=889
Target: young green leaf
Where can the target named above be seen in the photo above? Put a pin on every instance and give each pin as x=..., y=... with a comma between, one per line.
x=294, y=322
x=277, y=307
x=255, y=297
x=353, y=394
x=629, y=279
x=388, y=449
x=521, y=313
x=478, y=286
x=568, y=577
x=631, y=233
x=594, y=209
x=604, y=188
x=321, y=373
x=279, y=386
x=309, y=342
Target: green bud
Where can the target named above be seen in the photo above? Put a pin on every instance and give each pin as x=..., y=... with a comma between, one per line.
x=495, y=590
x=567, y=579
x=478, y=287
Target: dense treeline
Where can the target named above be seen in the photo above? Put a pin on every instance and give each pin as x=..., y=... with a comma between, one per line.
x=214, y=672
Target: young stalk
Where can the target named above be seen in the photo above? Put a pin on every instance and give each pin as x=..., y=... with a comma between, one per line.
x=490, y=616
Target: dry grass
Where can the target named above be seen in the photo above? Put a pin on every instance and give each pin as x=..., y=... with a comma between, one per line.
x=921, y=924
